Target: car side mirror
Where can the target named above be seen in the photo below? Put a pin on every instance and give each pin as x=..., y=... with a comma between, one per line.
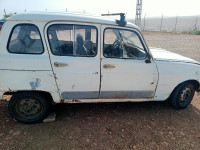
x=148, y=58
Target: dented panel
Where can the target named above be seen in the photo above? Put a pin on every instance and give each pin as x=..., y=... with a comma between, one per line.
x=28, y=81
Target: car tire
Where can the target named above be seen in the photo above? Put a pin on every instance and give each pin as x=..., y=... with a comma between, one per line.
x=182, y=95
x=28, y=107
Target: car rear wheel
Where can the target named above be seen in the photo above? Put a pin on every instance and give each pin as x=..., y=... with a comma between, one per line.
x=183, y=95
x=28, y=107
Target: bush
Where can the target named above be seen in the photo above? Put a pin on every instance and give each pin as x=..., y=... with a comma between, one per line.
x=8, y=15
x=195, y=32
x=184, y=32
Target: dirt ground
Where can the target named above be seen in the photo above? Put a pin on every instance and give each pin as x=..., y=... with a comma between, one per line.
x=117, y=126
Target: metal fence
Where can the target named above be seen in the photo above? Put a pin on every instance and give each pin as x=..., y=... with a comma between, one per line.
x=176, y=24
x=162, y=23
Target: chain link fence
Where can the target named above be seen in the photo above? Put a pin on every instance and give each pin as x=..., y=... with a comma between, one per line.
x=162, y=23
x=171, y=24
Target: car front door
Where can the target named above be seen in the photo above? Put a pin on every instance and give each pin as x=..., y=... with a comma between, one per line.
x=75, y=59
x=124, y=71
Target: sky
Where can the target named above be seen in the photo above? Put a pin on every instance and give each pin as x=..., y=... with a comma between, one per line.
x=152, y=8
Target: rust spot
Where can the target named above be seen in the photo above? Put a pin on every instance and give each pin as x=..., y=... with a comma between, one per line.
x=76, y=101
x=108, y=66
x=62, y=101
x=73, y=101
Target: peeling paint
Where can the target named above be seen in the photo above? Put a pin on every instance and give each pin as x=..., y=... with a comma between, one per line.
x=75, y=101
x=35, y=84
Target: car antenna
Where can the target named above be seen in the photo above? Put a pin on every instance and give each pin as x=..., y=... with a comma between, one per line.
x=120, y=22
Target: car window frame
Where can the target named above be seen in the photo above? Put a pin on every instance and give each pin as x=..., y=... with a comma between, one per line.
x=10, y=36
x=125, y=29
x=73, y=25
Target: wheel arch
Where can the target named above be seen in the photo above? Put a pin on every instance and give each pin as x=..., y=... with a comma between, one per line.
x=194, y=82
x=47, y=95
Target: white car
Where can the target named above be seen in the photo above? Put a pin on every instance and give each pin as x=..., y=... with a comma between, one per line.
x=50, y=58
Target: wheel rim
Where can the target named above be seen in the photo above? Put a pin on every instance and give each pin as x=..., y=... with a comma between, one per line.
x=29, y=108
x=186, y=94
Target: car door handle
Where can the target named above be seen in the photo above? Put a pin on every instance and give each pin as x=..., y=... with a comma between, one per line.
x=107, y=66
x=57, y=64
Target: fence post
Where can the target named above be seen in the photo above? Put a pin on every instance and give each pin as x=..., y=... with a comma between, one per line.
x=161, y=23
x=176, y=22
x=196, y=23
x=144, y=21
x=5, y=11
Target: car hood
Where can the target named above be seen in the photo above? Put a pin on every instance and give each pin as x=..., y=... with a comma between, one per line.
x=164, y=55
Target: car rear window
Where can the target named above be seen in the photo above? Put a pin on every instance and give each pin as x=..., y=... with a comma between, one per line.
x=25, y=39
x=73, y=40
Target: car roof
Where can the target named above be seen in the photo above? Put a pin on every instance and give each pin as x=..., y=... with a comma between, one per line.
x=65, y=16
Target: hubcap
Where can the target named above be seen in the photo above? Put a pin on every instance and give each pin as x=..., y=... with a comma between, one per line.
x=186, y=94
x=29, y=108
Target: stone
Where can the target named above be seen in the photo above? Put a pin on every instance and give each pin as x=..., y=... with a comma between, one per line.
x=50, y=118
x=16, y=133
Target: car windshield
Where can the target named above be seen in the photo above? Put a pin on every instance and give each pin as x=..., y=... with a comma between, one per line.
x=131, y=38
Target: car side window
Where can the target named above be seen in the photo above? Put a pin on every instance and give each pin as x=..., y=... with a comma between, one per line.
x=73, y=40
x=121, y=43
x=25, y=39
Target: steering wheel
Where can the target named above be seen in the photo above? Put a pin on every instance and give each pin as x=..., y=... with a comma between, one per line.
x=116, y=44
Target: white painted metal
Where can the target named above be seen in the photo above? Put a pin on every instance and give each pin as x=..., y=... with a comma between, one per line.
x=128, y=74
x=173, y=69
x=34, y=72
x=25, y=72
x=82, y=74
x=66, y=16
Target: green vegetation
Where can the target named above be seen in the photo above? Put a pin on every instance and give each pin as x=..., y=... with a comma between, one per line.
x=184, y=32
x=195, y=32
x=164, y=30
x=7, y=15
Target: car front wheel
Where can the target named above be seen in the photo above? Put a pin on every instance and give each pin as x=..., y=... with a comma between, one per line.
x=183, y=95
x=28, y=107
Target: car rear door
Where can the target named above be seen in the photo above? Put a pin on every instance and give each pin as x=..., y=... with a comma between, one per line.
x=74, y=54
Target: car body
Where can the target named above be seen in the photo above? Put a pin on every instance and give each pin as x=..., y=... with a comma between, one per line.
x=73, y=58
